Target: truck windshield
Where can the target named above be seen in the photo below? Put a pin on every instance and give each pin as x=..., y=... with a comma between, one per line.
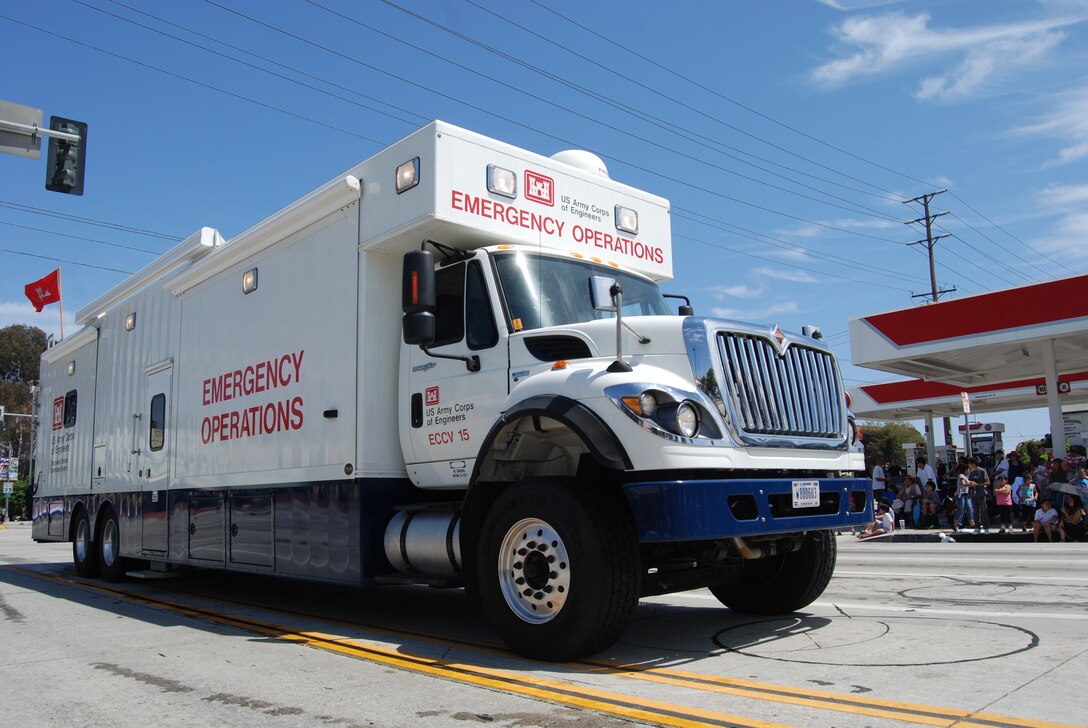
x=544, y=290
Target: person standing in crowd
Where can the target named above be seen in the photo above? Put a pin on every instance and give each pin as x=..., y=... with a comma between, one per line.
x=964, y=507
x=1016, y=466
x=1003, y=496
x=880, y=477
x=1045, y=518
x=925, y=472
x=1072, y=527
x=1082, y=482
x=1001, y=465
x=980, y=483
x=942, y=472
x=1028, y=497
x=1060, y=473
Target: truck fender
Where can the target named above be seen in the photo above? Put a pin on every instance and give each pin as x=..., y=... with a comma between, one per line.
x=599, y=439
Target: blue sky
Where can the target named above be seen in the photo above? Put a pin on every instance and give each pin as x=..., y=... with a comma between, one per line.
x=785, y=134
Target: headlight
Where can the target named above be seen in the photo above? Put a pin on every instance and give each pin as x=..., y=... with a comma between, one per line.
x=687, y=419
x=648, y=404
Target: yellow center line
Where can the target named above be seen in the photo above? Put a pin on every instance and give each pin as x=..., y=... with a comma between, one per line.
x=553, y=691
x=601, y=700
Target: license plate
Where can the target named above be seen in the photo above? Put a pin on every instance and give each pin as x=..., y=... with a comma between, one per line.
x=806, y=493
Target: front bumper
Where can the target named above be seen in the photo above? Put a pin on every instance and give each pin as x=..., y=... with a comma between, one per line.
x=696, y=510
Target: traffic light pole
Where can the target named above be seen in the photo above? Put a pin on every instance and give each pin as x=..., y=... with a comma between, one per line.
x=34, y=131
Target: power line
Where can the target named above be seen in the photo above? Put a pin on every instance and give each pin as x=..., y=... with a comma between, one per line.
x=79, y=237
x=64, y=260
x=707, y=89
x=86, y=220
x=493, y=113
x=193, y=81
x=706, y=141
x=250, y=65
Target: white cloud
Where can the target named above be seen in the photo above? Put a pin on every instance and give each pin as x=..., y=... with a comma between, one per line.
x=786, y=274
x=741, y=291
x=1069, y=121
x=893, y=40
x=983, y=62
x=848, y=5
x=756, y=314
x=21, y=312
x=1070, y=203
x=1063, y=196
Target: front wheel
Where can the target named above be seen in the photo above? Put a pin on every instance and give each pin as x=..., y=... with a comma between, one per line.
x=783, y=583
x=557, y=569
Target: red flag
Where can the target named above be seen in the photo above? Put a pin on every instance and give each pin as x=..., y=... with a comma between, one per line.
x=44, y=292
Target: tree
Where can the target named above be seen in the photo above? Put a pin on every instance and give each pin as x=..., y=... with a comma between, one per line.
x=21, y=348
x=887, y=439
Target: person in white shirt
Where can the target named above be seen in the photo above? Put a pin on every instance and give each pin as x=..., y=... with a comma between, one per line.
x=1002, y=467
x=879, y=477
x=884, y=523
x=925, y=472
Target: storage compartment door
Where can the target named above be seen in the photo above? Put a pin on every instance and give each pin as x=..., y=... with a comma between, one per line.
x=251, y=530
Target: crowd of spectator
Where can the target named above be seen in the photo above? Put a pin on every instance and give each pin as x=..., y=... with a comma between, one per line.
x=1045, y=496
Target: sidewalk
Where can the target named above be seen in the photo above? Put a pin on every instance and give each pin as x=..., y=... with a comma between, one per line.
x=933, y=535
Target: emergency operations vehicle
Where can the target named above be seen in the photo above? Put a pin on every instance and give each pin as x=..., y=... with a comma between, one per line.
x=451, y=365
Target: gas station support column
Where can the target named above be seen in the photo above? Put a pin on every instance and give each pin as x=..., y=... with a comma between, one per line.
x=1053, y=400
x=931, y=450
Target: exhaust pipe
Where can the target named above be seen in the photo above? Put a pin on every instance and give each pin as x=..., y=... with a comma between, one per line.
x=754, y=552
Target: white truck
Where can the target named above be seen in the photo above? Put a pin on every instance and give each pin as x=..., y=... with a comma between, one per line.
x=532, y=421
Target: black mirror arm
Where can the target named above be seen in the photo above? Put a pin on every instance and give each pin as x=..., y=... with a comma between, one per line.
x=472, y=363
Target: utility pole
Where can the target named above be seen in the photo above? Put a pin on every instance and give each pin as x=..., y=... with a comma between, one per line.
x=935, y=292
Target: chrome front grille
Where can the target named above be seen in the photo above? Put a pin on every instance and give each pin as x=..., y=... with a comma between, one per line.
x=790, y=395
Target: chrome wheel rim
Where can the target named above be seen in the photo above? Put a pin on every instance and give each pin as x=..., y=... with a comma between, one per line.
x=83, y=540
x=109, y=542
x=534, y=571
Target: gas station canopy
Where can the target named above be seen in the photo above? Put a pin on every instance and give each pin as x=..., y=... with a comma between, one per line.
x=1019, y=348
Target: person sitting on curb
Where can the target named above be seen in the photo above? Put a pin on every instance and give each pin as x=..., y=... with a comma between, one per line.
x=931, y=504
x=883, y=524
x=1045, y=518
x=1072, y=527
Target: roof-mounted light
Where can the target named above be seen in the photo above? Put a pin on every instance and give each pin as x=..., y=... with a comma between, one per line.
x=408, y=175
x=502, y=182
x=626, y=220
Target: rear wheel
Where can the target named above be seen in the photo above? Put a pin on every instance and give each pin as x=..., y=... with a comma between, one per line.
x=784, y=583
x=557, y=569
x=109, y=547
x=84, y=553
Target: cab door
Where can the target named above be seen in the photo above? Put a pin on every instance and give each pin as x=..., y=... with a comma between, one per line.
x=154, y=459
x=451, y=409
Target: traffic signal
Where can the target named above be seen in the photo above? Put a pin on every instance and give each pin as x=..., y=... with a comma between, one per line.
x=66, y=160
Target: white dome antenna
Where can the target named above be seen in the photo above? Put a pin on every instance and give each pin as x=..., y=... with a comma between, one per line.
x=583, y=160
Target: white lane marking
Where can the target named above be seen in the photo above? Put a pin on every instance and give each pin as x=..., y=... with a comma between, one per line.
x=909, y=610
x=967, y=577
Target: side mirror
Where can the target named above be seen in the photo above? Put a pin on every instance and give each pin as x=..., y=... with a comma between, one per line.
x=418, y=298
x=600, y=293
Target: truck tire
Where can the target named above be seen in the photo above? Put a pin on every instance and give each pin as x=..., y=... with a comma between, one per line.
x=109, y=547
x=784, y=583
x=84, y=549
x=557, y=569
